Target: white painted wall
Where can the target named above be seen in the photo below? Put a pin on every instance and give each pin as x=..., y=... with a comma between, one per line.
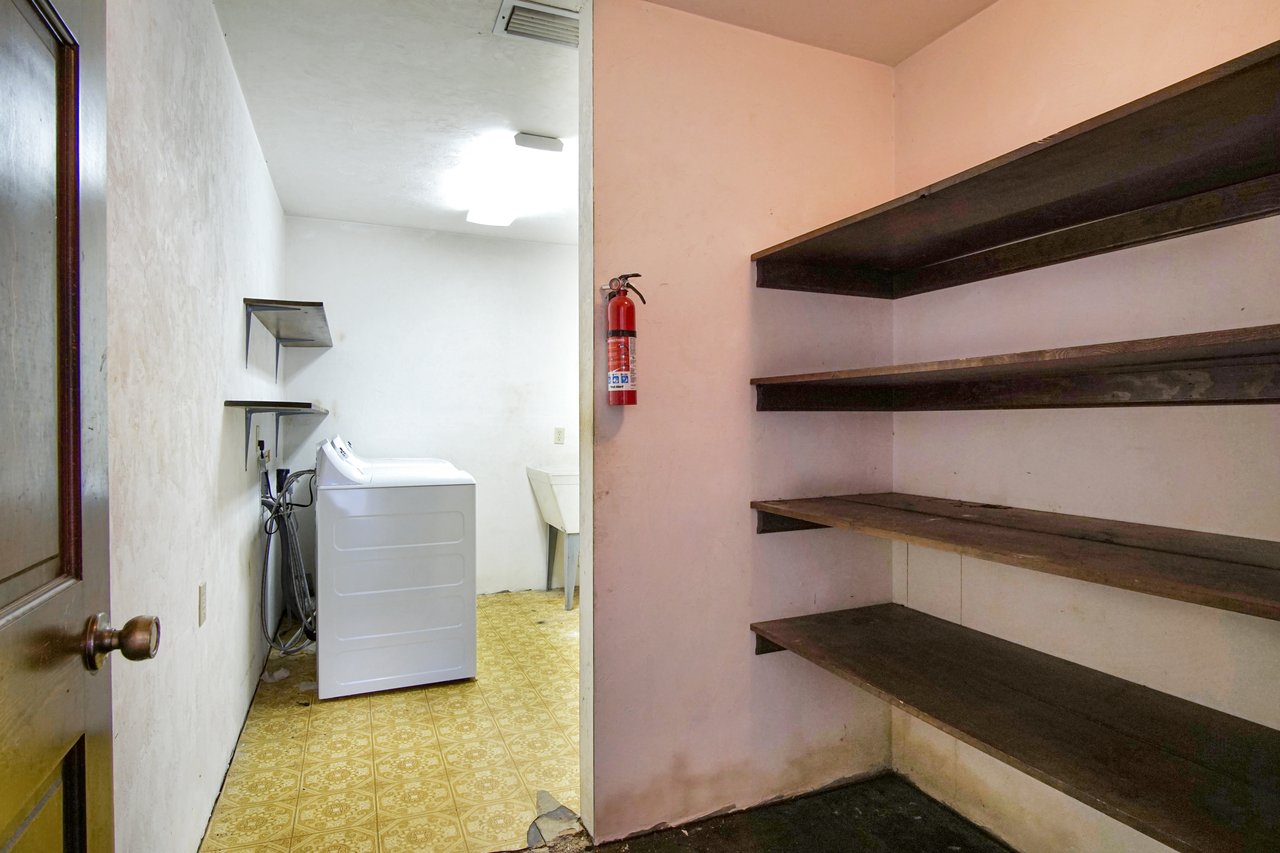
x=1017, y=72
x=453, y=346
x=193, y=227
x=712, y=142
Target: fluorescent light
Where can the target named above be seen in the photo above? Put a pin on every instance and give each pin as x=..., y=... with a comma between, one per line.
x=498, y=181
x=500, y=216
x=539, y=142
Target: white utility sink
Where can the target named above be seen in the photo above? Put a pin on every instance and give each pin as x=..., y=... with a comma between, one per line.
x=556, y=489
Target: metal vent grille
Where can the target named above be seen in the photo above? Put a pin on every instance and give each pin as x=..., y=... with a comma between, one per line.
x=522, y=19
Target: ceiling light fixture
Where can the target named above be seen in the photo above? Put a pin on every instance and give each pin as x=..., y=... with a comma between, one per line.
x=503, y=177
x=539, y=142
x=491, y=215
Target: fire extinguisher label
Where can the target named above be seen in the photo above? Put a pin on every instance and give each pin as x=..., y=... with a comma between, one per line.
x=622, y=364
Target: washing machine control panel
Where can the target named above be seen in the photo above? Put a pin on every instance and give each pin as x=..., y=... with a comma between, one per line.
x=336, y=467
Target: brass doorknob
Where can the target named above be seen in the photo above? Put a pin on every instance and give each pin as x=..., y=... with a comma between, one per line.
x=139, y=639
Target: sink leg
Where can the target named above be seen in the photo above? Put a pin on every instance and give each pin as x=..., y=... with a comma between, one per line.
x=570, y=568
x=551, y=553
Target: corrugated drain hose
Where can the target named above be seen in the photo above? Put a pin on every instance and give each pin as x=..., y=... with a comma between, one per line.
x=281, y=523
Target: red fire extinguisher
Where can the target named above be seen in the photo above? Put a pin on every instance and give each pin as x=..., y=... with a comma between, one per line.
x=622, y=340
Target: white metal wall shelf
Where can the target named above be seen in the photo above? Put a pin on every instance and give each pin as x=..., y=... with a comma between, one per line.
x=277, y=408
x=291, y=323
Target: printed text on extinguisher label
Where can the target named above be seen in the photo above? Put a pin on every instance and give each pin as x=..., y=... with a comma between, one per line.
x=622, y=364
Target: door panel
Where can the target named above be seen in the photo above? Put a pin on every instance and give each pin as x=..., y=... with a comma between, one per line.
x=55, y=787
x=28, y=245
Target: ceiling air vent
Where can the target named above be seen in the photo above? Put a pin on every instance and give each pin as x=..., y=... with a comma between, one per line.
x=523, y=19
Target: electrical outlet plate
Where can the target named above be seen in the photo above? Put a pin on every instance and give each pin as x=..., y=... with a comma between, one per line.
x=203, y=607
x=559, y=435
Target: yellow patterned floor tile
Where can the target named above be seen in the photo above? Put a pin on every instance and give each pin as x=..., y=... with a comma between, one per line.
x=409, y=764
x=469, y=727
x=270, y=702
x=486, y=785
x=268, y=847
x=323, y=777
x=548, y=774
x=498, y=826
x=523, y=719
x=394, y=713
x=274, y=728
x=529, y=746
x=508, y=696
x=340, y=719
x=536, y=659
x=503, y=676
x=398, y=738
x=558, y=693
x=445, y=768
x=405, y=799
x=340, y=841
x=341, y=743
x=354, y=808
x=566, y=715
x=438, y=832
x=252, y=785
x=269, y=754
x=475, y=755
x=568, y=797
x=458, y=704
x=242, y=826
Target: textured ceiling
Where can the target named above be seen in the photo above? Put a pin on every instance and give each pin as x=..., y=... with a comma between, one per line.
x=886, y=31
x=370, y=111
x=375, y=111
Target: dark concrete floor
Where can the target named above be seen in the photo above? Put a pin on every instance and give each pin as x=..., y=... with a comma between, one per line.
x=886, y=814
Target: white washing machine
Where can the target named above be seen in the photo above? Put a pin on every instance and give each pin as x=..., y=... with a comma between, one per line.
x=395, y=573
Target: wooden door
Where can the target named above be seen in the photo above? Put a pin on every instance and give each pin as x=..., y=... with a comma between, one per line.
x=55, y=716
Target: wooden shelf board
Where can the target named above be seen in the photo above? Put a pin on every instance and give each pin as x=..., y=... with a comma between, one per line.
x=280, y=407
x=1224, y=572
x=1218, y=367
x=1197, y=155
x=292, y=323
x=1191, y=777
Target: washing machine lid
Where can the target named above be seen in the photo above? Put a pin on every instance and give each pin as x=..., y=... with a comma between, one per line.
x=338, y=467
x=368, y=462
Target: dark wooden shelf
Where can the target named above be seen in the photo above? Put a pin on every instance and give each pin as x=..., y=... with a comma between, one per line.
x=1225, y=572
x=1197, y=155
x=291, y=323
x=1233, y=366
x=278, y=408
x=1191, y=777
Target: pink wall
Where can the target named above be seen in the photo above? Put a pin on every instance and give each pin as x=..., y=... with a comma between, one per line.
x=1019, y=71
x=712, y=142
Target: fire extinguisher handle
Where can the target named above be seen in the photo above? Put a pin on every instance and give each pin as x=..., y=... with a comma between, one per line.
x=620, y=284
x=623, y=282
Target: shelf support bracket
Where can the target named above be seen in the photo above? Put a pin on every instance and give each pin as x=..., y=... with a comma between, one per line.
x=285, y=342
x=767, y=522
x=249, y=311
x=765, y=646
x=248, y=432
